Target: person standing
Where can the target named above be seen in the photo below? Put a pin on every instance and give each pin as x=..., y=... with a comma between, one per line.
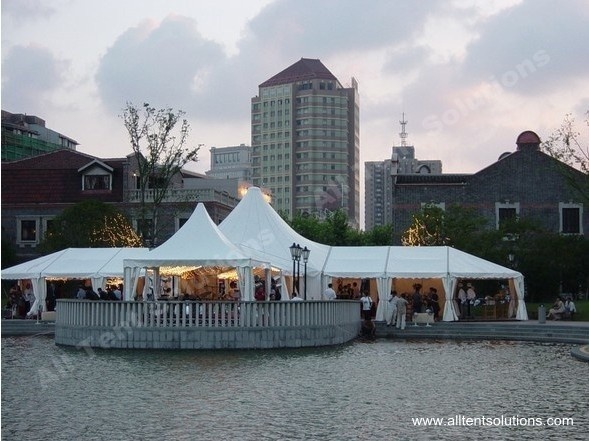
x=416, y=300
x=366, y=302
x=391, y=310
x=329, y=293
x=434, y=302
x=470, y=298
x=461, y=299
x=401, y=311
x=29, y=298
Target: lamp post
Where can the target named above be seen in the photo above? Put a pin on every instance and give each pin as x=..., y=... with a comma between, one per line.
x=511, y=258
x=295, y=253
x=305, y=253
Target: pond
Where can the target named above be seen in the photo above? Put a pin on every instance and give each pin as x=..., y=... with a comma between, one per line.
x=359, y=391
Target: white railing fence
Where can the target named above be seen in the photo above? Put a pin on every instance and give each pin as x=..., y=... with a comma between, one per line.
x=190, y=314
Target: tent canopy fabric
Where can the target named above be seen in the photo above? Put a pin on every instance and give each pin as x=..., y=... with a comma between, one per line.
x=75, y=263
x=259, y=231
x=199, y=242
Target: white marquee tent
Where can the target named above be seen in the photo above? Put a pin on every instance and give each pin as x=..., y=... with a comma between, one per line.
x=386, y=264
x=257, y=229
x=198, y=243
x=95, y=264
x=254, y=235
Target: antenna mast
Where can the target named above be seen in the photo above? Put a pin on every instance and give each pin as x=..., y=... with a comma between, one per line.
x=403, y=133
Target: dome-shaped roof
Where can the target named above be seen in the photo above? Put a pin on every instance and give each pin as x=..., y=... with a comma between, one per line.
x=528, y=137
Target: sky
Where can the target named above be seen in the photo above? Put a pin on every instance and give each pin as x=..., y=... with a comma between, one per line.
x=469, y=75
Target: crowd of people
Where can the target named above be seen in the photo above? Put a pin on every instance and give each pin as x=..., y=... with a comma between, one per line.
x=112, y=292
x=19, y=302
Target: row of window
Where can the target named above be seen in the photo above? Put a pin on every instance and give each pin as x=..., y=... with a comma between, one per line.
x=276, y=91
x=570, y=215
x=30, y=230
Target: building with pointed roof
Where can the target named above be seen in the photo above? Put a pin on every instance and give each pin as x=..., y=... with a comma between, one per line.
x=305, y=141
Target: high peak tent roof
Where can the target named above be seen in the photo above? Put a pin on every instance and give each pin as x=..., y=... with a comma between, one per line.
x=199, y=242
x=260, y=231
x=75, y=263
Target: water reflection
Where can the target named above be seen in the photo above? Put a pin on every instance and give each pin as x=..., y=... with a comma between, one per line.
x=354, y=392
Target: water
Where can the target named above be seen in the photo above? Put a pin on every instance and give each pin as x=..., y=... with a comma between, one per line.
x=360, y=391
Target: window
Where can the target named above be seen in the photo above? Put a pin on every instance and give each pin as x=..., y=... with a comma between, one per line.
x=27, y=230
x=506, y=212
x=180, y=221
x=97, y=182
x=570, y=218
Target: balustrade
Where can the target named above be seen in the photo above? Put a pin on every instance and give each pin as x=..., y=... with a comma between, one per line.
x=191, y=314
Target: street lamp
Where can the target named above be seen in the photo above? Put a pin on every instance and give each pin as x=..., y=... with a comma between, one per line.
x=305, y=253
x=295, y=253
x=511, y=258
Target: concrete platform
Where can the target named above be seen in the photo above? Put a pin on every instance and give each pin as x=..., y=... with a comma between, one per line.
x=15, y=328
x=530, y=330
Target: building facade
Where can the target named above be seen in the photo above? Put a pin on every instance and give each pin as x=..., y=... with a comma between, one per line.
x=24, y=136
x=234, y=162
x=380, y=175
x=37, y=189
x=305, y=141
x=526, y=183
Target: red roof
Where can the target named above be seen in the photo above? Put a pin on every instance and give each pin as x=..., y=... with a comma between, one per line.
x=302, y=70
x=54, y=178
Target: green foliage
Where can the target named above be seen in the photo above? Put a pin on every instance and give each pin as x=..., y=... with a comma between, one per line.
x=8, y=254
x=89, y=224
x=456, y=226
x=550, y=262
x=334, y=230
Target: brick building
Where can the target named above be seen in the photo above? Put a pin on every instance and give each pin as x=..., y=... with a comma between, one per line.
x=39, y=188
x=526, y=183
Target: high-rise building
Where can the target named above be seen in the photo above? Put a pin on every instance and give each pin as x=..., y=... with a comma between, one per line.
x=24, y=136
x=379, y=177
x=305, y=141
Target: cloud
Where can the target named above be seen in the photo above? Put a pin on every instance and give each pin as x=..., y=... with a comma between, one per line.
x=166, y=65
x=29, y=75
x=532, y=47
x=26, y=10
x=327, y=27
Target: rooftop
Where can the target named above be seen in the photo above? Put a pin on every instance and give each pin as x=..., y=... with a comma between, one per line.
x=303, y=70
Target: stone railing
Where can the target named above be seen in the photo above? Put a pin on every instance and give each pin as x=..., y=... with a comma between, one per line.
x=210, y=325
x=185, y=195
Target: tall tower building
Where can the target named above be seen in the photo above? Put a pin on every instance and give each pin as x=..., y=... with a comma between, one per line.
x=379, y=177
x=306, y=142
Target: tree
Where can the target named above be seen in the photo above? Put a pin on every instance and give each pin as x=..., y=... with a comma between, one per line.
x=427, y=228
x=158, y=139
x=90, y=224
x=566, y=145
